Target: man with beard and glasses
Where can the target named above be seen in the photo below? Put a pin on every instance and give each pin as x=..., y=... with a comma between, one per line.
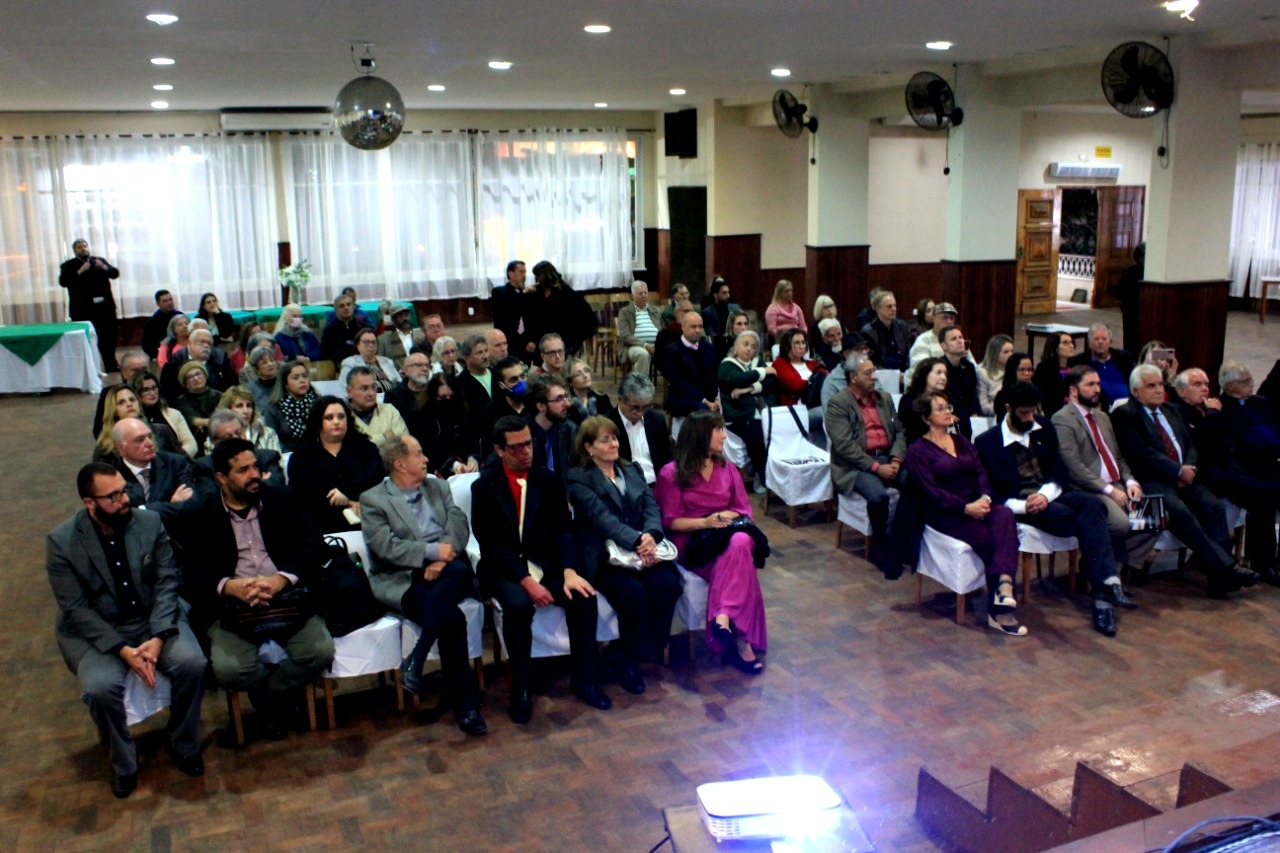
x=409, y=397
x=249, y=543
x=551, y=428
x=396, y=341
x=1028, y=475
x=116, y=583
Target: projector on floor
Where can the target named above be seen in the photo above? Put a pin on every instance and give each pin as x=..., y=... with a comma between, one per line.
x=776, y=807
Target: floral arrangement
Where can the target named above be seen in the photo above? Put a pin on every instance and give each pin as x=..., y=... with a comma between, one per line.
x=296, y=277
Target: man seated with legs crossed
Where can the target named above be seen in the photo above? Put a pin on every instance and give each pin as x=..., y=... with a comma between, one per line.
x=520, y=517
x=417, y=541
x=116, y=583
x=244, y=549
x=1028, y=475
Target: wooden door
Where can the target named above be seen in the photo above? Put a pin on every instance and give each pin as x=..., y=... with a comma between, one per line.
x=1039, y=220
x=1119, y=231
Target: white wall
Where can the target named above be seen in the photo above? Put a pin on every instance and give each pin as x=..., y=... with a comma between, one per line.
x=1067, y=137
x=907, y=196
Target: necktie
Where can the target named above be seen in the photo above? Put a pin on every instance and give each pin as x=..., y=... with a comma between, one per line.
x=535, y=571
x=144, y=480
x=1112, y=472
x=1165, y=441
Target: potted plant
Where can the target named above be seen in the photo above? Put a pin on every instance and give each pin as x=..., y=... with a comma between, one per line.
x=295, y=278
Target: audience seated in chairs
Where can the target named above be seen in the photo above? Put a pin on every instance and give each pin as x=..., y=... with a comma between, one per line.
x=295, y=340
x=338, y=339
x=397, y=340
x=332, y=466
x=291, y=404
x=1161, y=355
x=887, y=334
x=132, y=626
x=247, y=547
x=510, y=398
x=226, y=424
x=378, y=421
x=1028, y=476
x=741, y=379
x=715, y=314
x=450, y=446
x=200, y=348
x=259, y=374
x=707, y=512
x=529, y=558
x=256, y=430
x=679, y=293
x=175, y=339
x=638, y=326
x=476, y=380
x=851, y=344
x=930, y=376
x=825, y=308
x=1113, y=365
x=197, y=400
x=121, y=402
x=157, y=326
x=553, y=352
x=956, y=502
x=385, y=374
x=929, y=343
x=962, y=378
x=551, y=428
x=1019, y=368
x=783, y=312
x=689, y=366
x=157, y=412
x=991, y=373
x=409, y=397
x=155, y=479
x=643, y=438
x=584, y=400
x=417, y=541
x=220, y=322
x=251, y=337
x=1051, y=373
x=132, y=363
x=618, y=518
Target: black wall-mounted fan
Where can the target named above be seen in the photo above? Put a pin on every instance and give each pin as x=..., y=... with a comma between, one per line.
x=931, y=103
x=789, y=114
x=1137, y=80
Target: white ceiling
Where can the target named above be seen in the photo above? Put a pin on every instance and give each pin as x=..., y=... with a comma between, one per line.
x=73, y=55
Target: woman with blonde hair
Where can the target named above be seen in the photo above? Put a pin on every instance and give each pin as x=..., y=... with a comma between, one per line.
x=242, y=401
x=783, y=313
x=991, y=372
x=122, y=402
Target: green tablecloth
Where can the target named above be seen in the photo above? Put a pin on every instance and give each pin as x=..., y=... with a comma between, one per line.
x=312, y=315
x=30, y=343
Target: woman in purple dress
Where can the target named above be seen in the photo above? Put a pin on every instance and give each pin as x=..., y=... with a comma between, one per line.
x=955, y=501
x=701, y=491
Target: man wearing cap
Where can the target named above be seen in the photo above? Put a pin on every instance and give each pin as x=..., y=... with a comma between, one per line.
x=836, y=381
x=928, y=344
x=397, y=340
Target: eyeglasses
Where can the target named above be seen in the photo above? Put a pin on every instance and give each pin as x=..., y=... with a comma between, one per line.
x=111, y=497
x=1246, y=382
x=523, y=445
x=947, y=408
x=553, y=352
x=558, y=399
x=148, y=389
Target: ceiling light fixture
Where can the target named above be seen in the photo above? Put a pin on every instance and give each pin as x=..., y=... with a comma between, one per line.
x=780, y=72
x=162, y=19
x=598, y=29
x=600, y=105
x=162, y=87
x=161, y=60
x=435, y=87
x=1183, y=7
x=369, y=112
x=159, y=105
x=938, y=45
x=499, y=65
x=678, y=92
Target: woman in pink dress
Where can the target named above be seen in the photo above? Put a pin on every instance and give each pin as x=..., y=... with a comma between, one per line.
x=783, y=313
x=701, y=491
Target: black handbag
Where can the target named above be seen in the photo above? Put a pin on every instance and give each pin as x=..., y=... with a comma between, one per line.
x=704, y=546
x=288, y=611
x=343, y=595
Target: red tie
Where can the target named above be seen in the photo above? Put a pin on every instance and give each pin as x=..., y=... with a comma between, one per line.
x=1169, y=449
x=1102, y=449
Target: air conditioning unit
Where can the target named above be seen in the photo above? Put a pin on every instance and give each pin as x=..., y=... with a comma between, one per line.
x=1089, y=171
x=309, y=119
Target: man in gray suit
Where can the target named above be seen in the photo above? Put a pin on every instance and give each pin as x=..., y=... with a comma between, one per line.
x=1088, y=447
x=116, y=584
x=417, y=542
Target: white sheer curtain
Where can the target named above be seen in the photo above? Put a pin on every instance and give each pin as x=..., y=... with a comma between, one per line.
x=559, y=195
x=1255, y=221
x=189, y=214
x=398, y=222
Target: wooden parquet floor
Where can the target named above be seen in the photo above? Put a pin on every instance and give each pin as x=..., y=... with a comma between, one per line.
x=861, y=687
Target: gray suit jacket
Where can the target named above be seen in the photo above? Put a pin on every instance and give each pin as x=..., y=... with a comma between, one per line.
x=396, y=547
x=847, y=435
x=390, y=346
x=1075, y=444
x=627, y=324
x=86, y=591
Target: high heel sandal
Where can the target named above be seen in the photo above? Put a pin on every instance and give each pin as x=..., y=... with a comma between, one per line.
x=734, y=659
x=724, y=634
x=1003, y=599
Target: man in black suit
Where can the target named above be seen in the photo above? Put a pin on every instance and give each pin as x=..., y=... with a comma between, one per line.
x=88, y=283
x=1028, y=475
x=715, y=316
x=510, y=304
x=154, y=479
x=157, y=326
x=249, y=543
x=551, y=429
x=642, y=432
x=520, y=517
x=1113, y=365
x=689, y=365
x=116, y=584
x=1163, y=457
x=962, y=378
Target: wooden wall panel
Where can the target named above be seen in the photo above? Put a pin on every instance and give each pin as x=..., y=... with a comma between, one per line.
x=841, y=273
x=984, y=292
x=796, y=275
x=1190, y=316
x=657, y=259
x=909, y=282
x=737, y=258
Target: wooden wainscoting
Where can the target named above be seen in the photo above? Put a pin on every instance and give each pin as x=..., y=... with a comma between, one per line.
x=984, y=293
x=1191, y=317
x=909, y=282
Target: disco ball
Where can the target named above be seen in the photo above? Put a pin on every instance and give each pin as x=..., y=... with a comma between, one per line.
x=369, y=113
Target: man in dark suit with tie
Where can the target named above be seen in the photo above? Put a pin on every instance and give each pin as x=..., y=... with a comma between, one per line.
x=1158, y=445
x=154, y=479
x=1028, y=475
x=689, y=365
x=642, y=432
x=520, y=517
x=116, y=584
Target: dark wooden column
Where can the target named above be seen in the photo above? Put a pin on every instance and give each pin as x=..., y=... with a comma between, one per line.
x=284, y=258
x=657, y=261
x=841, y=273
x=984, y=292
x=1191, y=317
x=737, y=258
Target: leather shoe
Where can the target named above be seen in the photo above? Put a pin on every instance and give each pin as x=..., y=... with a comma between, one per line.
x=1104, y=621
x=470, y=721
x=123, y=786
x=632, y=680
x=521, y=708
x=1115, y=593
x=192, y=765
x=1243, y=576
x=411, y=676
x=593, y=696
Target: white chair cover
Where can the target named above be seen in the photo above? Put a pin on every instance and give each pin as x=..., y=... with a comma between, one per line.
x=691, y=609
x=797, y=470
x=140, y=701
x=366, y=651
x=284, y=465
x=889, y=381
x=851, y=510
x=950, y=562
x=472, y=609
x=735, y=449
x=980, y=424
x=1033, y=540
x=460, y=486
x=354, y=541
x=551, y=630
x=676, y=423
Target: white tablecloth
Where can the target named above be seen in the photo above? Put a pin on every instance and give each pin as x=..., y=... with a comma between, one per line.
x=72, y=362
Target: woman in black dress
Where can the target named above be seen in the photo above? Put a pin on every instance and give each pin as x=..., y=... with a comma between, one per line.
x=333, y=465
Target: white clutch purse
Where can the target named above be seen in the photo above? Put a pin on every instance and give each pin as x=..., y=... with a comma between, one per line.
x=628, y=559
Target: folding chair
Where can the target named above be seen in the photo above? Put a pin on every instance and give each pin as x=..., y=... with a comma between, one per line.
x=798, y=471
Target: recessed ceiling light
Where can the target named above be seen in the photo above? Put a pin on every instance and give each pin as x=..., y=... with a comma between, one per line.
x=600, y=105
x=163, y=19
x=435, y=87
x=598, y=29
x=159, y=105
x=499, y=65
x=1183, y=7
x=781, y=72
x=161, y=60
x=677, y=91
x=938, y=45
x=162, y=87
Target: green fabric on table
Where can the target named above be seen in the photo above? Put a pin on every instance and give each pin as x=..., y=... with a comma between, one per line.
x=30, y=343
x=239, y=317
